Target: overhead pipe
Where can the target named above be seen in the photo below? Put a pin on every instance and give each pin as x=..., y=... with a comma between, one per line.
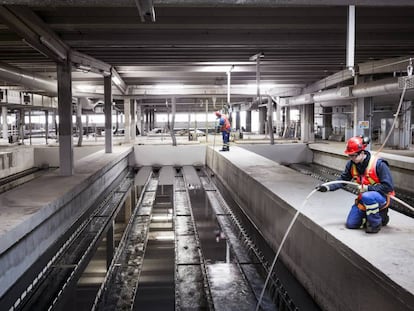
x=22, y=77
x=375, y=88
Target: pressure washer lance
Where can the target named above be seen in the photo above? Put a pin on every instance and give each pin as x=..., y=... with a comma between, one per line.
x=293, y=221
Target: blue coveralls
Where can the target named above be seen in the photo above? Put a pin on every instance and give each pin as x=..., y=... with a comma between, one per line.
x=374, y=199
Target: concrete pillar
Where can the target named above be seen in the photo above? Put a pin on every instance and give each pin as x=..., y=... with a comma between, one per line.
x=22, y=114
x=270, y=119
x=286, y=131
x=237, y=120
x=278, y=120
x=87, y=125
x=139, y=120
x=79, y=122
x=362, y=113
x=133, y=119
x=5, y=129
x=108, y=113
x=127, y=126
x=47, y=126
x=307, y=123
x=327, y=122
x=248, y=121
x=262, y=120
x=152, y=118
x=64, y=75
x=30, y=127
x=110, y=245
x=173, y=109
x=54, y=122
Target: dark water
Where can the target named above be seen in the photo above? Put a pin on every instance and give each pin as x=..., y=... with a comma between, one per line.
x=213, y=242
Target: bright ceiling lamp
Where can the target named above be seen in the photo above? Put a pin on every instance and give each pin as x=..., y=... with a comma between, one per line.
x=169, y=86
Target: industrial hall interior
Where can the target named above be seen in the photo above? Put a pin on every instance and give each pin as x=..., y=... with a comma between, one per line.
x=227, y=155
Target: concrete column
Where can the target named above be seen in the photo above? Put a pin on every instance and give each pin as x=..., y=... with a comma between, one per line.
x=110, y=245
x=108, y=113
x=64, y=75
x=133, y=119
x=4, y=121
x=278, y=118
x=139, y=119
x=248, y=121
x=327, y=122
x=237, y=120
x=22, y=126
x=287, y=123
x=30, y=127
x=173, y=109
x=54, y=122
x=47, y=126
x=147, y=119
x=270, y=119
x=262, y=119
x=362, y=113
x=87, y=125
x=152, y=118
x=79, y=122
x=307, y=123
x=127, y=126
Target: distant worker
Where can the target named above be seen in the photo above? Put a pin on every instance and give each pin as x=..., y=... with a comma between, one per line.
x=224, y=128
x=375, y=186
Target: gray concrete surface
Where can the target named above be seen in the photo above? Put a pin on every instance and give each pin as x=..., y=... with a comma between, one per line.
x=148, y=155
x=35, y=214
x=284, y=154
x=343, y=269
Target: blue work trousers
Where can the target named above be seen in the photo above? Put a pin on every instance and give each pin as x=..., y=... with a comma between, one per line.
x=226, y=138
x=373, y=202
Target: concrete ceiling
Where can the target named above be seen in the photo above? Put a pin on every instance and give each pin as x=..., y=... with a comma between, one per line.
x=191, y=44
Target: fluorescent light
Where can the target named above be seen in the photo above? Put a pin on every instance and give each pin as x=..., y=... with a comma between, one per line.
x=169, y=86
x=84, y=68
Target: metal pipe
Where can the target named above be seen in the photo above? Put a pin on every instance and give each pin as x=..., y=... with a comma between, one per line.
x=21, y=77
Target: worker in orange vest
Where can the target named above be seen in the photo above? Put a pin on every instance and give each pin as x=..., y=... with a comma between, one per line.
x=373, y=175
x=224, y=127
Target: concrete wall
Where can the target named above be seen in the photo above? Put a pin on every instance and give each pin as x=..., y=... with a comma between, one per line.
x=14, y=160
x=45, y=155
x=147, y=155
x=282, y=153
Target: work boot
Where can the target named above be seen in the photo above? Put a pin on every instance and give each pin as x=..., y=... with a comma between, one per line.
x=384, y=216
x=371, y=229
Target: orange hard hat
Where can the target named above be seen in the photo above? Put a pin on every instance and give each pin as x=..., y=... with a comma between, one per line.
x=356, y=144
x=218, y=114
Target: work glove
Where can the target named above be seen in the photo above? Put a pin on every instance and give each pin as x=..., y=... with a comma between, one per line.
x=362, y=188
x=322, y=188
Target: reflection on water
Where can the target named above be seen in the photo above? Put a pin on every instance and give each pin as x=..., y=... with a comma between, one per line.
x=213, y=241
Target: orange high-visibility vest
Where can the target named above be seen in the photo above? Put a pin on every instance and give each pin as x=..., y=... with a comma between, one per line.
x=370, y=177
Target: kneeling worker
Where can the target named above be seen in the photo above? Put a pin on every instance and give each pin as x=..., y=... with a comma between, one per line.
x=375, y=186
